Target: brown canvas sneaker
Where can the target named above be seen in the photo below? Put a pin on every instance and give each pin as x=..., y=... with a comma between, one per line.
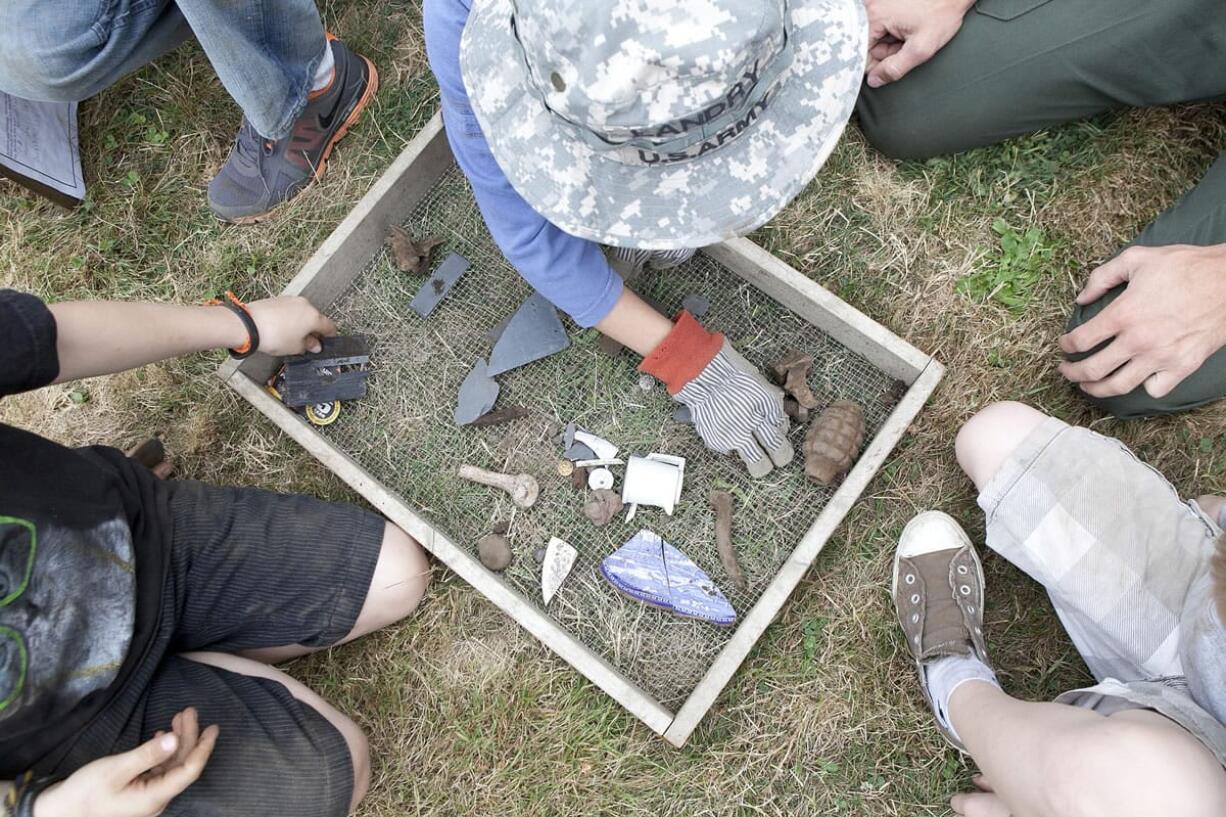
x=938, y=594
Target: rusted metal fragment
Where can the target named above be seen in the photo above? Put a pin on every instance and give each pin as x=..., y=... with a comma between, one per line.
x=793, y=372
x=500, y=416
x=721, y=503
x=409, y=255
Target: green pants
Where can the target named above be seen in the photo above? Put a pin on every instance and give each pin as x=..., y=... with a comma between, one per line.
x=1021, y=65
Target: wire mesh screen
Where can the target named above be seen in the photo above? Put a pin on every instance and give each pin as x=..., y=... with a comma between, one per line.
x=403, y=434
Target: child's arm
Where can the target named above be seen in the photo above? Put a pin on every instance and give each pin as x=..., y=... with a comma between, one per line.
x=733, y=408
x=570, y=272
x=101, y=337
x=635, y=324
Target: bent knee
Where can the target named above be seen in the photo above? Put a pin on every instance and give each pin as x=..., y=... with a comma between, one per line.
x=359, y=754
x=1121, y=766
x=402, y=575
x=1135, y=405
x=987, y=439
x=894, y=124
x=58, y=70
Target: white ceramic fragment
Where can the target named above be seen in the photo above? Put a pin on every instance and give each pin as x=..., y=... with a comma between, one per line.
x=559, y=559
x=654, y=480
x=601, y=478
x=602, y=448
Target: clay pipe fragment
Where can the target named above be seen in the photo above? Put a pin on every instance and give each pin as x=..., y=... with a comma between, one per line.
x=522, y=488
x=721, y=502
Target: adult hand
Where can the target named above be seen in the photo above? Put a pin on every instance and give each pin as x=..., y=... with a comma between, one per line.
x=982, y=803
x=139, y=783
x=1161, y=328
x=903, y=34
x=290, y=325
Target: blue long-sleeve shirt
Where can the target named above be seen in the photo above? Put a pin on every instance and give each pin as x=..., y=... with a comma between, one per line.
x=571, y=272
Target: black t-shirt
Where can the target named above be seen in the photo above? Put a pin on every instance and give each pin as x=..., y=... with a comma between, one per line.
x=82, y=565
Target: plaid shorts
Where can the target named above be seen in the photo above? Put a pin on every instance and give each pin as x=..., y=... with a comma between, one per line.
x=1118, y=552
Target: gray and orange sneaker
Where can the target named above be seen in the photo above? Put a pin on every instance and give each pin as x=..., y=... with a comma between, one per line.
x=261, y=174
x=938, y=594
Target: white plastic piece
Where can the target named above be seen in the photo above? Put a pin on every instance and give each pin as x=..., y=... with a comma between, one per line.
x=598, y=463
x=602, y=448
x=656, y=480
x=559, y=559
x=600, y=478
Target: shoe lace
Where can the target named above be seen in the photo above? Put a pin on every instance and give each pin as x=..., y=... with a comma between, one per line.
x=249, y=146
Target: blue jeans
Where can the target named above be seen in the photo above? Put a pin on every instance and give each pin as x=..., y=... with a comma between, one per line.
x=264, y=51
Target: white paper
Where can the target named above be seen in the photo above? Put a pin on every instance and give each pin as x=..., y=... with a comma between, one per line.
x=39, y=140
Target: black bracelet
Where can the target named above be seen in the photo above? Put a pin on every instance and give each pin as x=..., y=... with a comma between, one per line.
x=232, y=303
x=27, y=795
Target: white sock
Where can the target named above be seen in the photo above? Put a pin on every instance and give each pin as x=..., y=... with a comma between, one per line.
x=946, y=674
x=323, y=72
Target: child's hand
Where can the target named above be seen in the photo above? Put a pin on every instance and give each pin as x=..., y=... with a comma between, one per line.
x=734, y=408
x=138, y=783
x=289, y=325
x=732, y=405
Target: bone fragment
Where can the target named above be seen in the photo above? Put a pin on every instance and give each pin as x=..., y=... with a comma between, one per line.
x=522, y=487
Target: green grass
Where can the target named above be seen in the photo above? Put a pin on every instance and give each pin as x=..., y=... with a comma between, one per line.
x=469, y=715
x=1008, y=275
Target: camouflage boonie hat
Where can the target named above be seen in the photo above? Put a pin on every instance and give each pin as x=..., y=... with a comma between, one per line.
x=662, y=124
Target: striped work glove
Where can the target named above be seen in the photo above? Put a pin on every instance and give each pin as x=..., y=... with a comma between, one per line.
x=656, y=259
x=732, y=405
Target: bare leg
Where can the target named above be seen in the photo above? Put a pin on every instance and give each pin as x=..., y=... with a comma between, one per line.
x=355, y=739
x=988, y=438
x=401, y=577
x=1212, y=505
x=1052, y=760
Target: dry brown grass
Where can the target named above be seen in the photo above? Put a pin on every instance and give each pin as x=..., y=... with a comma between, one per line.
x=467, y=715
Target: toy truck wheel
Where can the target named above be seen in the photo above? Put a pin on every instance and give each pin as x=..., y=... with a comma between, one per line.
x=323, y=414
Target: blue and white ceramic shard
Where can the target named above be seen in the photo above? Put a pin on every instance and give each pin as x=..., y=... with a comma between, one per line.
x=651, y=570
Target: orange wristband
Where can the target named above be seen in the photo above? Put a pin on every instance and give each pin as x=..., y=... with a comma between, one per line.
x=240, y=309
x=683, y=353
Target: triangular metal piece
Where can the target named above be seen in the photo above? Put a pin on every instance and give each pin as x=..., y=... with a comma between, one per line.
x=535, y=331
x=478, y=393
x=492, y=335
x=440, y=282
